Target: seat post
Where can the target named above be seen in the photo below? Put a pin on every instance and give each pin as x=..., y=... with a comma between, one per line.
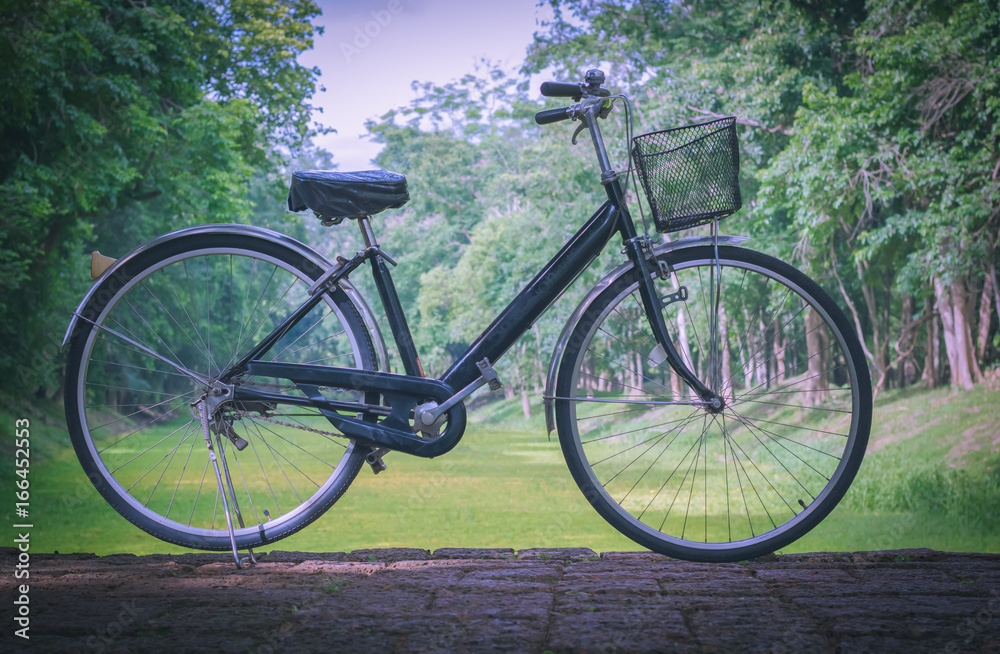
x=366, y=231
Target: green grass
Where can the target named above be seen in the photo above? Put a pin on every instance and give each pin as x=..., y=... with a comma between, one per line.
x=931, y=479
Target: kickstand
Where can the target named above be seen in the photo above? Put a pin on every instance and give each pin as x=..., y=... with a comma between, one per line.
x=251, y=559
x=203, y=412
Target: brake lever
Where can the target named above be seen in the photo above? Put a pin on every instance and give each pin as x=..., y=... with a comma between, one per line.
x=599, y=109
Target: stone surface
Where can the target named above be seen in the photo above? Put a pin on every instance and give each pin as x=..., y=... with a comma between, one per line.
x=537, y=600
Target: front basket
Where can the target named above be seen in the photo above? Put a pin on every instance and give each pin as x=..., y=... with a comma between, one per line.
x=690, y=174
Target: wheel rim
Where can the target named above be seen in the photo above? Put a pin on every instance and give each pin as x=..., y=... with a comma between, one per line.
x=680, y=475
x=147, y=444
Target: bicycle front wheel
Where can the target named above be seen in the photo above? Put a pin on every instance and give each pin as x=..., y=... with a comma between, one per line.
x=156, y=334
x=705, y=484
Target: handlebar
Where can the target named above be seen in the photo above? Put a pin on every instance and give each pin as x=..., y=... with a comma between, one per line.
x=587, y=91
x=562, y=90
x=549, y=116
x=590, y=105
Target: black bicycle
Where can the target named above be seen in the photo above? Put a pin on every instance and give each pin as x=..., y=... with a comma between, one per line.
x=226, y=383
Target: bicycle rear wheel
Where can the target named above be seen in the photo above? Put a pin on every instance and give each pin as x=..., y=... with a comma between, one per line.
x=700, y=484
x=161, y=328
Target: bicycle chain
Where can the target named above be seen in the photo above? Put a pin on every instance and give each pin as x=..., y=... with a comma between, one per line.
x=293, y=386
x=275, y=421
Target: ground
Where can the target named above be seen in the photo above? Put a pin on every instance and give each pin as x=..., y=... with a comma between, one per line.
x=551, y=600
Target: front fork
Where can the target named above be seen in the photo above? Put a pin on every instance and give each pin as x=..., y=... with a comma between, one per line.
x=636, y=248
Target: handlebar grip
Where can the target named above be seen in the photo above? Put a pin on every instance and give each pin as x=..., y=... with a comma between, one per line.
x=561, y=90
x=552, y=115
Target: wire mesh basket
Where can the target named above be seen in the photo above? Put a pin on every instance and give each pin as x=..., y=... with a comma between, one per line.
x=690, y=174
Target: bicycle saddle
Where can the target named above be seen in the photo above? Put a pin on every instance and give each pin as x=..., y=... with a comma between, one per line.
x=334, y=195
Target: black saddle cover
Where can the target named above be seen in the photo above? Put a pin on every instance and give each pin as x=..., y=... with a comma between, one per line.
x=335, y=195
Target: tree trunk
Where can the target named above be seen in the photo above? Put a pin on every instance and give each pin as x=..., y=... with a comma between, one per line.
x=746, y=350
x=539, y=368
x=760, y=357
x=985, y=316
x=963, y=317
x=996, y=288
x=931, y=366
x=907, y=367
x=957, y=338
x=817, y=381
x=524, y=379
x=639, y=375
x=879, y=350
x=683, y=345
x=748, y=366
x=726, y=382
x=779, y=353
x=676, y=384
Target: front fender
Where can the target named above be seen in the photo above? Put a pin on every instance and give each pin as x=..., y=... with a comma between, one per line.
x=299, y=248
x=606, y=281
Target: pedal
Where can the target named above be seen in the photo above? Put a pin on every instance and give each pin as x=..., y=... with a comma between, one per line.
x=489, y=374
x=374, y=459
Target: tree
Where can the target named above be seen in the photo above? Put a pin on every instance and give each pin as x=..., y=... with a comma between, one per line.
x=898, y=165
x=121, y=120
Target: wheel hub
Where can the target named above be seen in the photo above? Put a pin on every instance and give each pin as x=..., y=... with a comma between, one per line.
x=716, y=405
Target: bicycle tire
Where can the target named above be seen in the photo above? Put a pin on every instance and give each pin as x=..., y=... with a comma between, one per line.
x=202, y=300
x=782, y=443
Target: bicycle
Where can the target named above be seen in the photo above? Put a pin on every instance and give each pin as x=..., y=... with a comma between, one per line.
x=712, y=402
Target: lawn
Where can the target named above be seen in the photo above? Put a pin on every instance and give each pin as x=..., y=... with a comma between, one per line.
x=931, y=479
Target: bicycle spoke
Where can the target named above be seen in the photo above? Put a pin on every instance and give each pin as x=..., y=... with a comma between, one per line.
x=678, y=429
x=202, y=347
x=167, y=465
x=260, y=463
x=180, y=478
x=144, y=408
x=138, y=429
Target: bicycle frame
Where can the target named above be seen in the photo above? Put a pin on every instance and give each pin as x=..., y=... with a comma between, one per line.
x=466, y=374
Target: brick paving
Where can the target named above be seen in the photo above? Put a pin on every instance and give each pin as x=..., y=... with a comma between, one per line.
x=541, y=600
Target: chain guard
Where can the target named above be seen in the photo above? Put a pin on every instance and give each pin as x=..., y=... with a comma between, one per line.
x=402, y=393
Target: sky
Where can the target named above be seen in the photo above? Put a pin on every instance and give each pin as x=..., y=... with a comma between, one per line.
x=371, y=51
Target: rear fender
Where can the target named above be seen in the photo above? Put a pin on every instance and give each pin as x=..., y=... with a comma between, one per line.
x=306, y=252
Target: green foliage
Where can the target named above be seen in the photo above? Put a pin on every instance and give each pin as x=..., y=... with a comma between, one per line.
x=869, y=147
x=124, y=120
